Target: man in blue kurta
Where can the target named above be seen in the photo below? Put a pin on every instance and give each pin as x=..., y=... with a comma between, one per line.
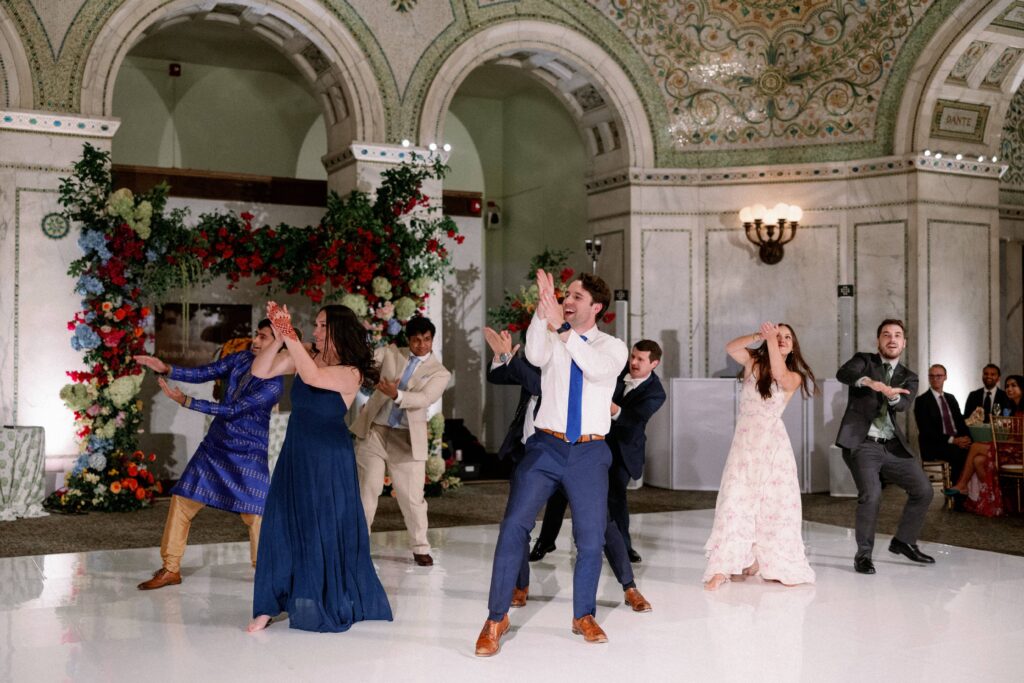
x=229, y=469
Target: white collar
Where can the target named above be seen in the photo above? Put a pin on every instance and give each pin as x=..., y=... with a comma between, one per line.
x=937, y=394
x=589, y=334
x=636, y=381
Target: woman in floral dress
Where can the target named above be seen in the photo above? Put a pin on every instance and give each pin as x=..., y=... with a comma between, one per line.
x=758, y=514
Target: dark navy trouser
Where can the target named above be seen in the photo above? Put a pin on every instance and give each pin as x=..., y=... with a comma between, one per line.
x=582, y=472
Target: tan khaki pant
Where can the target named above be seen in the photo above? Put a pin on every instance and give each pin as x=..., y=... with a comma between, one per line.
x=389, y=449
x=179, y=521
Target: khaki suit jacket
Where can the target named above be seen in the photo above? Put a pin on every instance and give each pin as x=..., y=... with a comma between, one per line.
x=426, y=385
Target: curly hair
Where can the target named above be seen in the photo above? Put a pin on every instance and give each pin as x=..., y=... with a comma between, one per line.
x=794, y=362
x=351, y=343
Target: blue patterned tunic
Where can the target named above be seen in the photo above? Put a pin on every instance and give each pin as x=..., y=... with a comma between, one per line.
x=229, y=469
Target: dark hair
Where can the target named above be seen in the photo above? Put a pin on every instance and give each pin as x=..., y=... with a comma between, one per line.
x=996, y=368
x=598, y=290
x=939, y=365
x=650, y=346
x=1017, y=408
x=890, y=321
x=420, y=325
x=794, y=362
x=350, y=342
x=263, y=323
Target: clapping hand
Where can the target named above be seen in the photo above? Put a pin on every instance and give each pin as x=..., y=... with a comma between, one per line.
x=281, y=321
x=548, y=308
x=500, y=342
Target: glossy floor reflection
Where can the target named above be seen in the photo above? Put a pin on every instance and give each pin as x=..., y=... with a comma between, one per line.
x=79, y=617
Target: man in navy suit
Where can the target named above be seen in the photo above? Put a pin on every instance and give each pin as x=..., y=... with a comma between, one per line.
x=989, y=395
x=942, y=433
x=638, y=395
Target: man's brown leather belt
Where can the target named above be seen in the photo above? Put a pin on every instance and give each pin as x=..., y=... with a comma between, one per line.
x=586, y=438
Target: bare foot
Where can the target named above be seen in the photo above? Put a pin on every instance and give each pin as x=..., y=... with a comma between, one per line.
x=715, y=582
x=751, y=570
x=258, y=624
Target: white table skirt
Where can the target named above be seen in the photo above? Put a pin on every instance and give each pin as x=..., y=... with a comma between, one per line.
x=22, y=472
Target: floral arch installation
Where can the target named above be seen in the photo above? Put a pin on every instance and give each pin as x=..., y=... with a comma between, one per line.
x=377, y=255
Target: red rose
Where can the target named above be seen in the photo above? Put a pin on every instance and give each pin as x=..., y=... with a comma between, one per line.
x=566, y=274
x=512, y=327
x=140, y=494
x=608, y=318
x=133, y=470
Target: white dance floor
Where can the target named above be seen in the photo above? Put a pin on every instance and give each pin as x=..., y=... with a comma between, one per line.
x=79, y=617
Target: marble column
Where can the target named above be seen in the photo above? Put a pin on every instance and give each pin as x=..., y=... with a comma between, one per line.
x=37, y=299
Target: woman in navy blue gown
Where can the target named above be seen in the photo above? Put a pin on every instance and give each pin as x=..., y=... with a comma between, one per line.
x=314, y=553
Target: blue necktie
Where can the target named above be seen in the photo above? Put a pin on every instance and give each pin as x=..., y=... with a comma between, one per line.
x=395, y=418
x=574, y=420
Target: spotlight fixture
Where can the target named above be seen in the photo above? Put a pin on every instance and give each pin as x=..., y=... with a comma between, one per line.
x=432, y=146
x=959, y=157
x=447, y=147
x=927, y=152
x=406, y=143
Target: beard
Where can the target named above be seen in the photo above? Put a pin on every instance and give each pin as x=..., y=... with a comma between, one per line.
x=889, y=355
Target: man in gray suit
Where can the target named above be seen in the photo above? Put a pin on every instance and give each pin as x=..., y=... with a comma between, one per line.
x=873, y=444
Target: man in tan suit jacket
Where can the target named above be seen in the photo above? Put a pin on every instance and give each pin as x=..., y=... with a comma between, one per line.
x=391, y=430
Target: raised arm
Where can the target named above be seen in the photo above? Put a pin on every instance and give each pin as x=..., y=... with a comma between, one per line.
x=203, y=373
x=547, y=317
x=344, y=379
x=264, y=397
x=270, y=363
x=738, y=351
x=853, y=370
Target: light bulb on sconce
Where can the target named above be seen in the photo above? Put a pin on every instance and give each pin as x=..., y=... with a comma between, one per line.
x=769, y=229
x=593, y=249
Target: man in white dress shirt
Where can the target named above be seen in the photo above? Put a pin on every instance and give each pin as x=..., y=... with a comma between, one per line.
x=579, y=366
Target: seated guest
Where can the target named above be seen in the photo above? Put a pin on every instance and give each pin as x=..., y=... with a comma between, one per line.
x=988, y=395
x=942, y=433
x=978, y=480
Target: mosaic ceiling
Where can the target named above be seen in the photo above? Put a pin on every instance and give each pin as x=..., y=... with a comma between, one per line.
x=768, y=73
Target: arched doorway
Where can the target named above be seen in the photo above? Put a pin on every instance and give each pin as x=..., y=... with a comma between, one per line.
x=531, y=120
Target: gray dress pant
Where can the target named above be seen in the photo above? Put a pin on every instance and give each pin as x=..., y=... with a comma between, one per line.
x=867, y=462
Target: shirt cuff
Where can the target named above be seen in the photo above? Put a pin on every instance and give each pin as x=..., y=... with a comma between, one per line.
x=860, y=382
x=895, y=399
x=398, y=399
x=496, y=363
x=616, y=415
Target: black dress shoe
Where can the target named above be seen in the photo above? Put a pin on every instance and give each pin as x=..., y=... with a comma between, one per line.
x=910, y=551
x=540, y=550
x=634, y=556
x=863, y=565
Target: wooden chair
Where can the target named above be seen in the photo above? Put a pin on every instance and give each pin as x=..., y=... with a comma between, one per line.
x=1008, y=433
x=939, y=475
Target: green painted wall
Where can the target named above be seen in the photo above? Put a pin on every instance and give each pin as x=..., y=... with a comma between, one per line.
x=217, y=119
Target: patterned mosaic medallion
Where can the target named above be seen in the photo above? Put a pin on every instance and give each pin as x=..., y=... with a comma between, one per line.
x=55, y=226
x=768, y=73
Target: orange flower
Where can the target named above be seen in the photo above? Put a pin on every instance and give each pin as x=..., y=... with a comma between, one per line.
x=140, y=494
x=387, y=481
x=130, y=484
x=115, y=487
x=138, y=455
x=139, y=332
x=159, y=487
x=133, y=470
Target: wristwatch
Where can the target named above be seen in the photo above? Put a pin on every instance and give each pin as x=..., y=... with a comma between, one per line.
x=564, y=328
x=505, y=357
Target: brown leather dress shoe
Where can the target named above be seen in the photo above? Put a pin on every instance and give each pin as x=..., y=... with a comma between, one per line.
x=490, y=636
x=591, y=632
x=637, y=601
x=161, y=578
x=519, y=597
x=424, y=560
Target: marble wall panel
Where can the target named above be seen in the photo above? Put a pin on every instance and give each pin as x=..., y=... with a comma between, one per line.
x=740, y=292
x=1011, y=271
x=45, y=302
x=666, y=297
x=958, y=299
x=880, y=277
x=7, y=239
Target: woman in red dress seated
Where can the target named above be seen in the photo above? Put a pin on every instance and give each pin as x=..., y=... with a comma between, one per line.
x=979, y=481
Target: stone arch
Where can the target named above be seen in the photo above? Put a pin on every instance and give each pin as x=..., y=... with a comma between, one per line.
x=589, y=81
x=15, y=73
x=975, y=57
x=315, y=41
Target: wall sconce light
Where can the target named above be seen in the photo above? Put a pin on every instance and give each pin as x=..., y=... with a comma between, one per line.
x=769, y=229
